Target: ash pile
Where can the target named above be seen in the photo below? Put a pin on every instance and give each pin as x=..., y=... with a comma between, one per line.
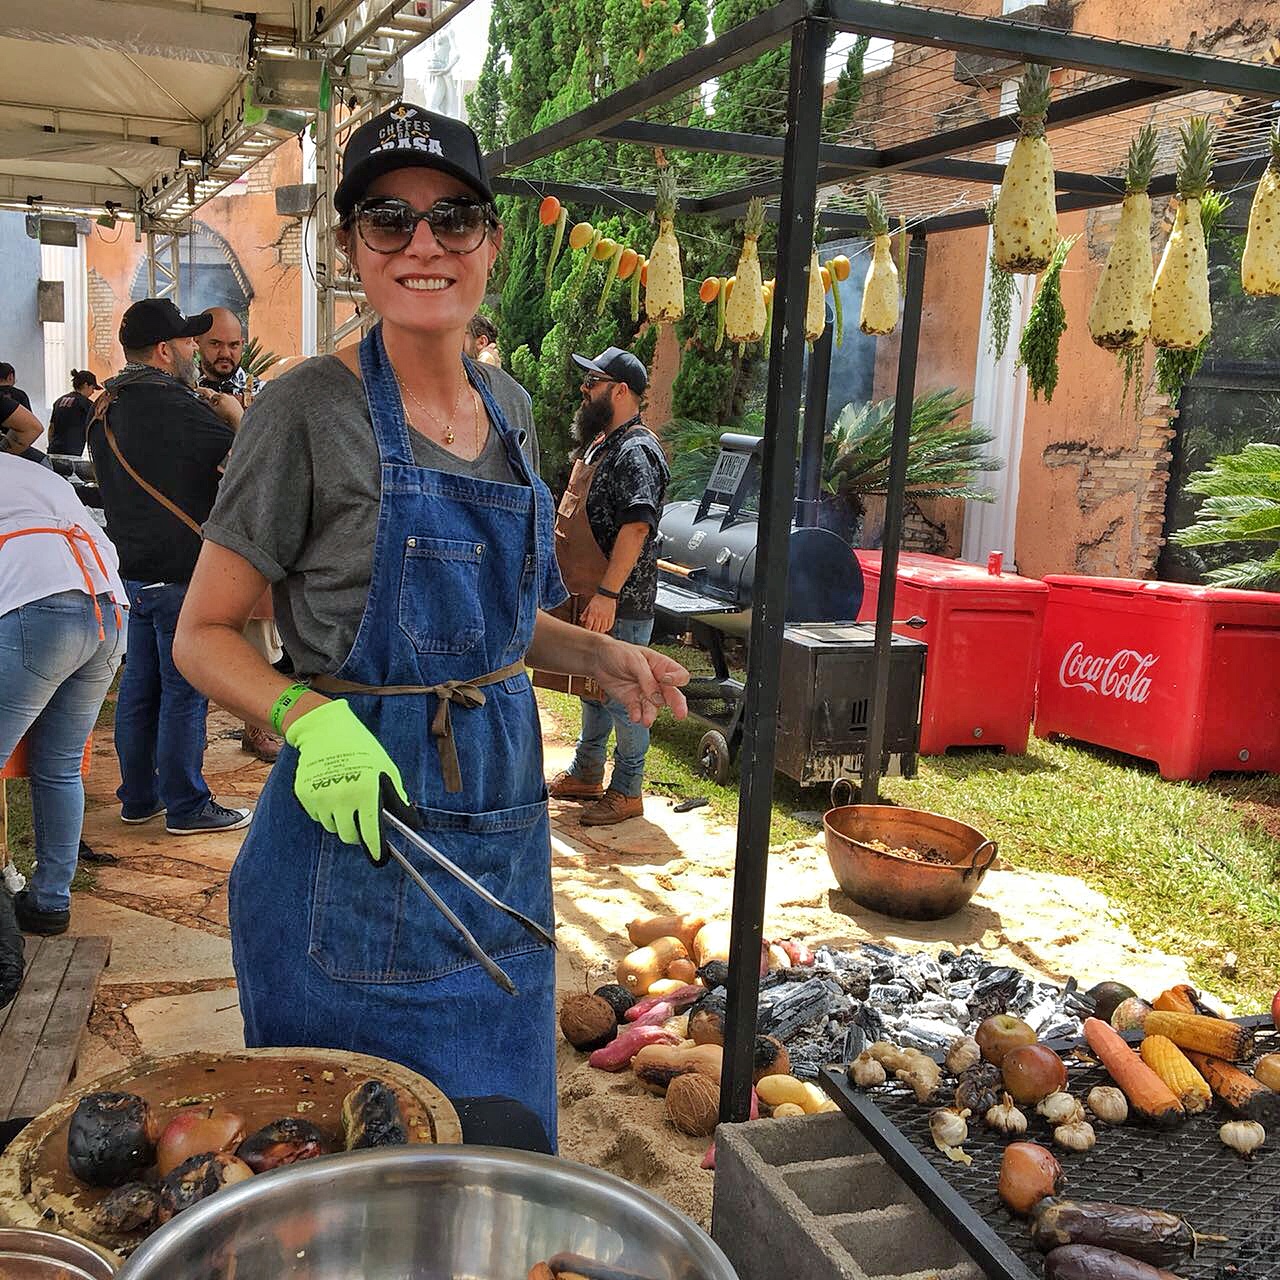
x=830, y=1011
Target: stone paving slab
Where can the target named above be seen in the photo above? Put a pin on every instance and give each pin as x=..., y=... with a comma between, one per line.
x=146, y=948
x=168, y=1024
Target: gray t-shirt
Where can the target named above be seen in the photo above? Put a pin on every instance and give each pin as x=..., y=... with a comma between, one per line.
x=300, y=498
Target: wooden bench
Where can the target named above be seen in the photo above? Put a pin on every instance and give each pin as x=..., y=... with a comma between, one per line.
x=40, y=1031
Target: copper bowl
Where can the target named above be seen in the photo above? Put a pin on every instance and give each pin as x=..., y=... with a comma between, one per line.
x=898, y=886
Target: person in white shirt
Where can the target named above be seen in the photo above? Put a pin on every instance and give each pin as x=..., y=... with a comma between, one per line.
x=62, y=635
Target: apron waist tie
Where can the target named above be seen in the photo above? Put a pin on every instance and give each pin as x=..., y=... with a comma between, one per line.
x=466, y=693
x=73, y=535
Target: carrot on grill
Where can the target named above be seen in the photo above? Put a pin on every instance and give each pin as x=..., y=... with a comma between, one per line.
x=1215, y=1036
x=1241, y=1092
x=1170, y=1064
x=1149, y=1097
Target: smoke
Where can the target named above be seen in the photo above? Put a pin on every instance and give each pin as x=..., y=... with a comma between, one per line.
x=853, y=363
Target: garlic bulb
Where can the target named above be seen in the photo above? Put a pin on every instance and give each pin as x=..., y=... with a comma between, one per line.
x=1078, y=1135
x=1243, y=1136
x=949, y=1130
x=963, y=1054
x=1108, y=1104
x=1005, y=1117
x=866, y=1072
x=1060, y=1108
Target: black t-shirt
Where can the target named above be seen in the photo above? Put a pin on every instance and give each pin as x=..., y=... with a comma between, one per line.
x=628, y=487
x=175, y=442
x=17, y=393
x=68, y=423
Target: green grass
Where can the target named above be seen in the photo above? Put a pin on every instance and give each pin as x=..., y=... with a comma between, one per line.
x=1188, y=865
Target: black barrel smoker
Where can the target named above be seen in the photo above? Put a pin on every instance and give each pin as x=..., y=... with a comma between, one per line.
x=706, y=576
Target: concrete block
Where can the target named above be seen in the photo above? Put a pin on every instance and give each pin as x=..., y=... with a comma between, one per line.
x=813, y=1191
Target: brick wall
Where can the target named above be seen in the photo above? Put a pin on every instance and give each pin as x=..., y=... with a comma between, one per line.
x=102, y=303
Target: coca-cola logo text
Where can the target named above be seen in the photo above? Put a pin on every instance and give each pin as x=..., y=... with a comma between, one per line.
x=1122, y=675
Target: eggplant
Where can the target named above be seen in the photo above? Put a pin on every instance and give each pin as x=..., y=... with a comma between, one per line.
x=283, y=1141
x=1085, y=1262
x=371, y=1118
x=111, y=1139
x=198, y=1178
x=132, y=1207
x=1150, y=1235
x=979, y=1089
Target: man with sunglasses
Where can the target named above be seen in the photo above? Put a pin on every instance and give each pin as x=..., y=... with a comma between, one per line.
x=605, y=548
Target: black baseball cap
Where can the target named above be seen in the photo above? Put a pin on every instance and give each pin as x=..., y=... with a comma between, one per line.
x=409, y=137
x=157, y=320
x=620, y=365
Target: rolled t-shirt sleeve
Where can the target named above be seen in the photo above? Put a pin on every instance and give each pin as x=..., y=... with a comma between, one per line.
x=263, y=510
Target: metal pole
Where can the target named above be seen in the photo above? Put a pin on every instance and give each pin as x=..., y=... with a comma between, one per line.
x=892, y=536
x=815, y=430
x=769, y=603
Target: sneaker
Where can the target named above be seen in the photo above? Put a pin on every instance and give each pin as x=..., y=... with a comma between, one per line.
x=145, y=817
x=613, y=807
x=258, y=742
x=213, y=817
x=564, y=786
x=32, y=920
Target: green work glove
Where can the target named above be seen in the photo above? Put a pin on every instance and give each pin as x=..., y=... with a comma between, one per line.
x=340, y=768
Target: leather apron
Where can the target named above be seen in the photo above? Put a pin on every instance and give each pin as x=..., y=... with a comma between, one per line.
x=330, y=950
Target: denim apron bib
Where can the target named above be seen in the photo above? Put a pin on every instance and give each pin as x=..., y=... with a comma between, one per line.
x=334, y=952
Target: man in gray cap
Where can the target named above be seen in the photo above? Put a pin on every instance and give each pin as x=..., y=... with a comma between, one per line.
x=605, y=547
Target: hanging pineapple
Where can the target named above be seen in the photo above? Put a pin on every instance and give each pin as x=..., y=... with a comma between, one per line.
x=664, y=287
x=1026, y=223
x=1121, y=313
x=744, y=311
x=815, y=311
x=1180, y=317
x=1260, y=267
x=880, y=292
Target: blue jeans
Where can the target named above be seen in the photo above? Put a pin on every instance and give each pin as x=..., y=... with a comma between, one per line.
x=160, y=718
x=598, y=718
x=54, y=675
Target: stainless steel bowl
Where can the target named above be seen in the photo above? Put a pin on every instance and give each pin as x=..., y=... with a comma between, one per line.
x=41, y=1255
x=426, y=1213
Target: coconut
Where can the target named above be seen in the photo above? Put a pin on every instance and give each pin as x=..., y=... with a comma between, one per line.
x=706, y=1026
x=693, y=1104
x=588, y=1022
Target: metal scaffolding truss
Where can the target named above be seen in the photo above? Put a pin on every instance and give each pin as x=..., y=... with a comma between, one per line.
x=924, y=136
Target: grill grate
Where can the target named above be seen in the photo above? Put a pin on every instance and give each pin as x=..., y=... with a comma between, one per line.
x=1186, y=1170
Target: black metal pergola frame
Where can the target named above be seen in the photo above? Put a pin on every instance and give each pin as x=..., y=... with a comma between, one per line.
x=1137, y=75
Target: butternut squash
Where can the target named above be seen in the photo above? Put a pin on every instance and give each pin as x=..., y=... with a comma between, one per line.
x=638, y=971
x=657, y=1065
x=683, y=971
x=648, y=929
x=711, y=942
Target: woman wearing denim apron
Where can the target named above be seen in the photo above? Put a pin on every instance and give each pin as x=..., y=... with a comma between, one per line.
x=385, y=494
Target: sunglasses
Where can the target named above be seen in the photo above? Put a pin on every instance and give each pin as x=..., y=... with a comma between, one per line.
x=593, y=380
x=458, y=224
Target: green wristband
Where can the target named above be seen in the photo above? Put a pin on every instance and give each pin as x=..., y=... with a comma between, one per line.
x=280, y=708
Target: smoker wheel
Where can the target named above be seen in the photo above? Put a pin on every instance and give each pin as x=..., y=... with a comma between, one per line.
x=842, y=793
x=713, y=756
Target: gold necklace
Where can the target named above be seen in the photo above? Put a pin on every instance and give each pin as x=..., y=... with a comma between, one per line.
x=449, y=437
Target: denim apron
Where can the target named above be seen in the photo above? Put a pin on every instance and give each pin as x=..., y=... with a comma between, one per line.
x=332, y=951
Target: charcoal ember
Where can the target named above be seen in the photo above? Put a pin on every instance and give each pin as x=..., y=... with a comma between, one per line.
x=966, y=966
x=946, y=958
x=961, y=991
x=132, y=1207
x=994, y=992
x=794, y=1007
x=891, y=995
x=926, y=1034
x=855, y=1041
x=871, y=1023
x=857, y=986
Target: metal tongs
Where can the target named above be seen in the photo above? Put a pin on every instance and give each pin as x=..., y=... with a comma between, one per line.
x=403, y=818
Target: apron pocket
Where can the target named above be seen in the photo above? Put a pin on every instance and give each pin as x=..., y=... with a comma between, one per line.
x=440, y=594
x=374, y=925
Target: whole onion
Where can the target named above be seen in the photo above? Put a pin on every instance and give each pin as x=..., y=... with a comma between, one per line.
x=1028, y=1173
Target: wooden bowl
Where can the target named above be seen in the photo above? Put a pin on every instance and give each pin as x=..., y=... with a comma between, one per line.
x=38, y=1190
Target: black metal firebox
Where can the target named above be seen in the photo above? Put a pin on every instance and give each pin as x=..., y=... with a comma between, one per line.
x=707, y=564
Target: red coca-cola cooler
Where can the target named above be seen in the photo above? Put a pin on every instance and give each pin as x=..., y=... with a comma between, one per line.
x=983, y=633
x=1182, y=675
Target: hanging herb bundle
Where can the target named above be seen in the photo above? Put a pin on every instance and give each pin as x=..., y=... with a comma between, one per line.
x=1038, y=350
x=1000, y=294
x=1174, y=367
x=1133, y=362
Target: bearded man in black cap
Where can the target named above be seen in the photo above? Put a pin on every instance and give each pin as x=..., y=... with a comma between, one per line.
x=605, y=548
x=158, y=446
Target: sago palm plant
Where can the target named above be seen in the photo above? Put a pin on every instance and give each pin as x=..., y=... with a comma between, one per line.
x=1242, y=505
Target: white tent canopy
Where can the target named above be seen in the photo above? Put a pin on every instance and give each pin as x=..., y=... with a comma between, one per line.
x=140, y=104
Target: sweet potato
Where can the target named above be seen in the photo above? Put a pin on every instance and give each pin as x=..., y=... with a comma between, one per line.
x=617, y=1054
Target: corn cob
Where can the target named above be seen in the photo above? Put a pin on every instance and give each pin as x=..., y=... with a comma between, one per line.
x=1215, y=1036
x=1171, y=1065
